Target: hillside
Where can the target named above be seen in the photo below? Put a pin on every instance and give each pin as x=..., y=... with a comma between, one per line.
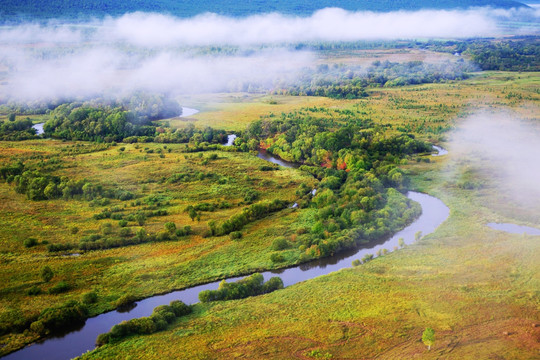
x=24, y=9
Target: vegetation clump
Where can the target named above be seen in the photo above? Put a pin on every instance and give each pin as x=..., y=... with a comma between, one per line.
x=250, y=286
x=161, y=317
x=60, y=318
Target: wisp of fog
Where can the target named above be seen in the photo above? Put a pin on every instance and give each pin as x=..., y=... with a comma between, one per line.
x=505, y=149
x=154, y=52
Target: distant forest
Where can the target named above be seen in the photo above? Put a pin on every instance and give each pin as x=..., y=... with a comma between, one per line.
x=12, y=10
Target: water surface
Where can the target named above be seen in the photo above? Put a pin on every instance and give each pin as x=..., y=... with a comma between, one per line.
x=39, y=128
x=440, y=151
x=188, y=112
x=514, y=229
x=75, y=343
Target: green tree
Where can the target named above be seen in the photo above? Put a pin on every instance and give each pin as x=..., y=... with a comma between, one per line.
x=401, y=242
x=140, y=218
x=170, y=227
x=192, y=213
x=46, y=273
x=428, y=337
x=11, y=117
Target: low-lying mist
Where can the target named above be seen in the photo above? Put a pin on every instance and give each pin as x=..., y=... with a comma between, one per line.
x=502, y=150
x=161, y=53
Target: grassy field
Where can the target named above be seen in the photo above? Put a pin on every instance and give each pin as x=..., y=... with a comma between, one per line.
x=470, y=283
x=476, y=287
x=140, y=270
x=428, y=110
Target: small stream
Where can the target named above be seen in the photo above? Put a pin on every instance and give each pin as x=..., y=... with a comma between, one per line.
x=188, y=112
x=39, y=128
x=230, y=140
x=440, y=151
x=75, y=343
x=514, y=229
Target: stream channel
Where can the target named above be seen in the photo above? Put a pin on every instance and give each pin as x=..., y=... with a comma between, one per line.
x=81, y=340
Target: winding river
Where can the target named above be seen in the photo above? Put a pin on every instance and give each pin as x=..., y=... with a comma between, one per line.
x=75, y=343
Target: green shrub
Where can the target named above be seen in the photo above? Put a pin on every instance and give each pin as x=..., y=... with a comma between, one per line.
x=125, y=300
x=170, y=227
x=250, y=286
x=367, y=258
x=59, y=318
x=59, y=247
x=235, y=235
x=90, y=298
x=159, y=320
x=103, y=339
x=280, y=243
x=277, y=258
x=46, y=273
x=275, y=283
x=30, y=242
x=179, y=308
x=125, y=232
x=59, y=288
x=34, y=290
x=356, y=262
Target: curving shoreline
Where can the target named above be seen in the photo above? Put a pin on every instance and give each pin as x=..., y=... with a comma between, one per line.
x=75, y=343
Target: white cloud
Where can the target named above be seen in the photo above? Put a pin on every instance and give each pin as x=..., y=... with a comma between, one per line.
x=156, y=52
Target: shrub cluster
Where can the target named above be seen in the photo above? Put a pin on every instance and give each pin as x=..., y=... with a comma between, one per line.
x=250, y=286
x=60, y=318
x=251, y=213
x=159, y=320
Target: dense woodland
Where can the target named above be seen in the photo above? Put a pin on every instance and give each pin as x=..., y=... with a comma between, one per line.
x=358, y=168
x=506, y=55
x=349, y=82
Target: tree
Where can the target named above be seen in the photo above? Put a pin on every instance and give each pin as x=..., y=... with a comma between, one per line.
x=140, y=218
x=170, y=227
x=428, y=337
x=401, y=242
x=46, y=273
x=11, y=117
x=192, y=213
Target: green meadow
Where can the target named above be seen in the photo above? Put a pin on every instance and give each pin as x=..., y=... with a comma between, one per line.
x=476, y=287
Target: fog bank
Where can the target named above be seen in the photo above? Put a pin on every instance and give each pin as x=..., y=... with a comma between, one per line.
x=161, y=53
x=503, y=148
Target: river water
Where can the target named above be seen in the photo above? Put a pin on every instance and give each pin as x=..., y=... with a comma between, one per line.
x=39, y=128
x=514, y=229
x=188, y=112
x=440, y=151
x=75, y=343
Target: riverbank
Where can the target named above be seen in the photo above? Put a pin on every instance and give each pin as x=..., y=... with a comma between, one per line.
x=476, y=287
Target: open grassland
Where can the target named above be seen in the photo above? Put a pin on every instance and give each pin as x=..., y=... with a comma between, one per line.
x=144, y=269
x=476, y=287
x=469, y=283
x=428, y=110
